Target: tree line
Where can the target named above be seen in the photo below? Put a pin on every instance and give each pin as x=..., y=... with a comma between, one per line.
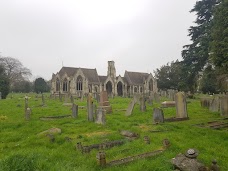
x=204, y=64
x=14, y=77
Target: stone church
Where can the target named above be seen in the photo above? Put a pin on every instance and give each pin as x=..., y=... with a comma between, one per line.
x=81, y=81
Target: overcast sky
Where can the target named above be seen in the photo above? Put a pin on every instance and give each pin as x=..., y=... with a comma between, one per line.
x=139, y=35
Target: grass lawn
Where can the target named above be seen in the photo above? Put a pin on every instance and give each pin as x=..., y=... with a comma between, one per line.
x=21, y=148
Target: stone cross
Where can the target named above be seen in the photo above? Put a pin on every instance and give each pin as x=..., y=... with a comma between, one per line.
x=90, y=107
x=28, y=114
x=181, y=105
x=158, y=116
x=100, y=116
x=74, y=110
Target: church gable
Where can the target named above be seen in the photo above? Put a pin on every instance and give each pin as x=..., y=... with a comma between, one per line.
x=91, y=75
x=136, y=78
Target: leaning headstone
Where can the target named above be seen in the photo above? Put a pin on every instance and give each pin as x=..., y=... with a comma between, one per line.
x=158, y=116
x=0, y=95
x=100, y=116
x=181, y=106
x=224, y=105
x=28, y=114
x=74, y=110
x=130, y=107
x=90, y=107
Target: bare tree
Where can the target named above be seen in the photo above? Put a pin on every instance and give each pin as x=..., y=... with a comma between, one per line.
x=14, y=69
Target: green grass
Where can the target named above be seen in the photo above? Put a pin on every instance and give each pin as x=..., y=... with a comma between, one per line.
x=22, y=149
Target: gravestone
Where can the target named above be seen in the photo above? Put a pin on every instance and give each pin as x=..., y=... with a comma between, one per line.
x=181, y=106
x=60, y=97
x=42, y=99
x=130, y=107
x=156, y=97
x=26, y=103
x=74, y=110
x=158, y=116
x=65, y=98
x=214, y=105
x=28, y=114
x=90, y=107
x=150, y=101
x=71, y=99
x=224, y=105
x=100, y=116
x=104, y=103
x=0, y=95
x=142, y=104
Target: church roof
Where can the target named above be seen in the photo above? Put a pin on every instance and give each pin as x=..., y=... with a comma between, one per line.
x=135, y=78
x=102, y=78
x=70, y=71
x=90, y=74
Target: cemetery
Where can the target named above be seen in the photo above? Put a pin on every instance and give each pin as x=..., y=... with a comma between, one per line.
x=39, y=132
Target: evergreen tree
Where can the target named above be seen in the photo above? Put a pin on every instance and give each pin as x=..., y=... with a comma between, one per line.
x=196, y=55
x=4, y=83
x=40, y=85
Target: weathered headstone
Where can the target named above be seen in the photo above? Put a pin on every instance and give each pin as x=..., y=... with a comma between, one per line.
x=149, y=101
x=224, y=105
x=71, y=99
x=0, y=95
x=100, y=116
x=60, y=97
x=26, y=103
x=74, y=110
x=214, y=105
x=181, y=106
x=65, y=98
x=142, y=104
x=90, y=107
x=130, y=107
x=214, y=166
x=43, y=99
x=158, y=116
x=146, y=139
x=156, y=97
x=28, y=114
x=104, y=103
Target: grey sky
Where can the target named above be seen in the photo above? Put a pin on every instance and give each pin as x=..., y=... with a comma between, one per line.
x=139, y=35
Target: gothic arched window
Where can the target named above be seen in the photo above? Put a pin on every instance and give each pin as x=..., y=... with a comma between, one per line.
x=135, y=89
x=57, y=84
x=79, y=83
x=65, y=85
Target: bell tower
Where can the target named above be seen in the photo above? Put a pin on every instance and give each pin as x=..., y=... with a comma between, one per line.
x=111, y=70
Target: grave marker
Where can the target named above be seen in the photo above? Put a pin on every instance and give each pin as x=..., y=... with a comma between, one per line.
x=130, y=107
x=224, y=105
x=158, y=116
x=90, y=107
x=28, y=114
x=100, y=116
x=181, y=106
x=74, y=110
